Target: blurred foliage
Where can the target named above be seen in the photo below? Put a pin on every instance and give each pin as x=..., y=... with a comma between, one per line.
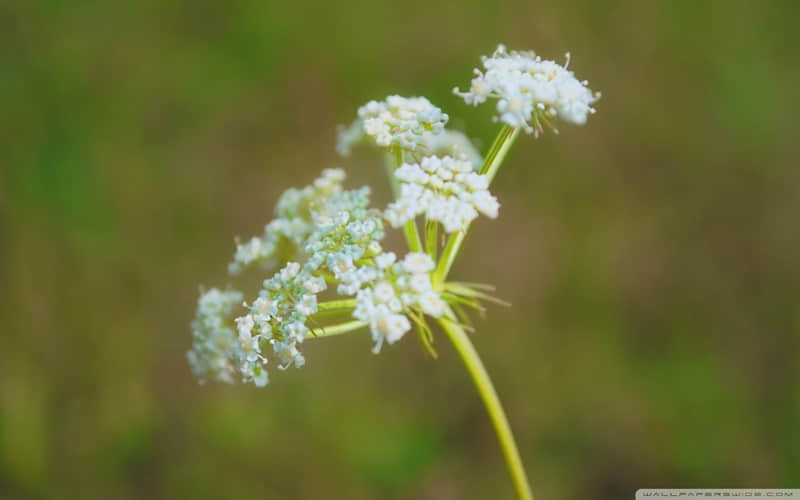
x=651, y=256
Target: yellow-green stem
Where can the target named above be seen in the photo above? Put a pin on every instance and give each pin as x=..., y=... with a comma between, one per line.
x=483, y=383
x=410, y=230
x=497, y=153
x=391, y=163
x=412, y=236
x=336, y=304
x=494, y=159
x=329, y=331
x=431, y=236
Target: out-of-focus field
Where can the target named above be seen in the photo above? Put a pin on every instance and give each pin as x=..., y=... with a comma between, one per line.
x=652, y=257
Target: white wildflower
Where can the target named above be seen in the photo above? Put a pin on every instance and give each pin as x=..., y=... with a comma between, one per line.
x=485, y=203
x=259, y=375
x=290, y=271
x=307, y=305
x=396, y=122
x=245, y=325
x=335, y=230
x=288, y=354
x=411, y=172
x=529, y=90
x=385, y=260
x=254, y=250
x=292, y=225
x=401, y=211
x=315, y=285
x=432, y=304
x=264, y=306
x=420, y=282
x=389, y=326
x=296, y=331
x=418, y=262
x=445, y=189
x=383, y=291
x=215, y=342
x=384, y=302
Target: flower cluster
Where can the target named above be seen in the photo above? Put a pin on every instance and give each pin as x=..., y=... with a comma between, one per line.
x=338, y=237
x=215, y=350
x=445, y=189
x=396, y=122
x=347, y=234
x=326, y=240
x=344, y=231
x=284, y=235
x=396, y=290
x=530, y=90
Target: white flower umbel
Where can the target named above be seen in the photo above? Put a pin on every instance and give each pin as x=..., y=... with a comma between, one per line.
x=344, y=230
x=291, y=226
x=445, y=189
x=396, y=122
x=218, y=351
x=530, y=91
x=396, y=291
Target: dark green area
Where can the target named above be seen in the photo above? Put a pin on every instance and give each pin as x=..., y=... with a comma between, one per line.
x=651, y=256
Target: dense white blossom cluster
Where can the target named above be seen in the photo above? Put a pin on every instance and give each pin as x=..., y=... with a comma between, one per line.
x=530, y=90
x=339, y=238
x=343, y=231
x=326, y=240
x=396, y=122
x=446, y=190
x=216, y=351
x=396, y=288
x=285, y=234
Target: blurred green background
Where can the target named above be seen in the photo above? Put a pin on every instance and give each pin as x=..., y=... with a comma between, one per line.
x=651, y=256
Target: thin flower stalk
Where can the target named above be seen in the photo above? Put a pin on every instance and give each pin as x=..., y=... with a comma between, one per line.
x=483, y=383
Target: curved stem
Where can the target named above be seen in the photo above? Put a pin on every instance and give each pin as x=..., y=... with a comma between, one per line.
x=483, y=383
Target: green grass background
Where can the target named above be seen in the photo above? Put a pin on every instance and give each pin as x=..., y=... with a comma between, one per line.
x=652, y=257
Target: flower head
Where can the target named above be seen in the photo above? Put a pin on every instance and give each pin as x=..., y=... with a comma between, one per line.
x=529, y=90
x=396, y=122
x=291, y=226
x=218, y=351
x=445, y=190
x=395, y=292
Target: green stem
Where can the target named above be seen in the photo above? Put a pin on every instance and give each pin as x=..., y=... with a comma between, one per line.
x=431, y=235
x=410, y=231
x=483, y=383
x=329, y=331
x=336, y=304
x=412, y=236
x=494, y=159
x=497, y=153
x=448, y=257
x=391, y=163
